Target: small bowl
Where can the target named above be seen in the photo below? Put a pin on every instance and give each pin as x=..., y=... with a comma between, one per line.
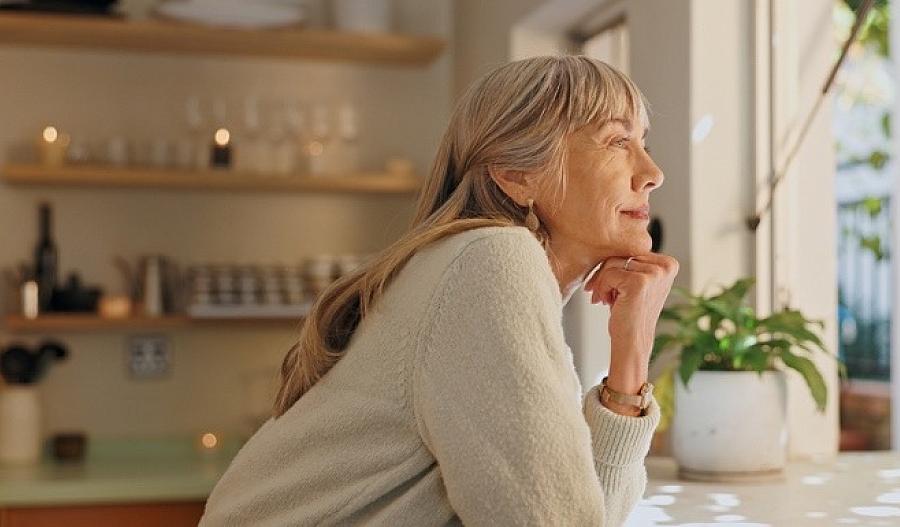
x=69, y=446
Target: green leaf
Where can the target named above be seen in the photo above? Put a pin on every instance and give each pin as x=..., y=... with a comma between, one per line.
x=660, y=343
x=877, y=159
x=722, y=309
x=746, y=318
x=741, y=342
x=874, y=31
x=790, y=322
x=734, y=294
x=706, y=342
x=691, y=358
x=773, y=344
x=872, y=243
x=758, y=356
x=810, y=374
x=872, y=205
x=684, y=314
x=755, y=359
x=670, y=314
x=886, y=123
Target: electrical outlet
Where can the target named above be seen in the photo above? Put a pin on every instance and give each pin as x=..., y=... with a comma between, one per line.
x=148, y=356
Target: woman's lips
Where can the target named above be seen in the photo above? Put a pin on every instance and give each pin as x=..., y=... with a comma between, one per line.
x=642, y=213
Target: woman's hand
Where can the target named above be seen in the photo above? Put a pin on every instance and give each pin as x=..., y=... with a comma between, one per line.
x=636, y=298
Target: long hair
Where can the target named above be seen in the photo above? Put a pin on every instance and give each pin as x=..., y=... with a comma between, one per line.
x=516, y=117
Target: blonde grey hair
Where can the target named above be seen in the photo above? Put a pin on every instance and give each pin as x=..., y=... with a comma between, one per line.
x=516, y=117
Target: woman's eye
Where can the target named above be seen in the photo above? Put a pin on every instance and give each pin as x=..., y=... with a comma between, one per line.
x=623, y=142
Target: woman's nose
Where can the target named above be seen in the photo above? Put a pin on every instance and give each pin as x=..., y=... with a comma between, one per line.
x=649, y=176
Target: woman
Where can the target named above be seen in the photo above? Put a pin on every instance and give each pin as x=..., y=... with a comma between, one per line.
x=433, y=386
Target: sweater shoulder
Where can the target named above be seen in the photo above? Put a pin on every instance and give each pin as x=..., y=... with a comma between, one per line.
x=497, y=260
x=497, y=263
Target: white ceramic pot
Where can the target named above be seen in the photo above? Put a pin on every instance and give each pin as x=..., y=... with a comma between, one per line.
x=731, y=426
x=20, y=424
x=364, y=16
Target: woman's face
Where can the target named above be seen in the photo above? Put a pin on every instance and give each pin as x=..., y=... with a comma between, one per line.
x=605, y=207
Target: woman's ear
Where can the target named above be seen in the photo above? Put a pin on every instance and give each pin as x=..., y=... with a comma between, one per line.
x=513, y=183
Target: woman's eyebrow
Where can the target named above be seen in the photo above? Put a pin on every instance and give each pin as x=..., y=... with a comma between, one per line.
x=627, y=125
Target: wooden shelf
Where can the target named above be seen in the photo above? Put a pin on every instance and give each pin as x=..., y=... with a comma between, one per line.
x=158, y=36
x=77, y=323
x=111, y=177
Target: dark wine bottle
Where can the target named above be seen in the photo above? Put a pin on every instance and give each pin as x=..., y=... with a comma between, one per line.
x=45, y=259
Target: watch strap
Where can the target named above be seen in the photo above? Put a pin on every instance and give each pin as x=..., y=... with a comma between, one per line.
x=641, y=400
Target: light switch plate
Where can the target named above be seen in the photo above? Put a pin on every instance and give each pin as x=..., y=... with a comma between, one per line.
x=148, y=356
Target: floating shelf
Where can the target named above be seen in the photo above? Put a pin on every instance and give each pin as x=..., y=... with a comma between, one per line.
x=70, y=323
x=111, y=177
x=158, y=36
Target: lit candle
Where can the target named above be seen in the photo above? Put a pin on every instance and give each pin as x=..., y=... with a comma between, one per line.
x=30, y=299
x=52, y=146
x=209, y=440
x=221, y=149
x=208, y=445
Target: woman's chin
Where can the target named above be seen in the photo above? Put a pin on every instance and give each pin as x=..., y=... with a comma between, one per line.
x=641, y=244
x=627, y=244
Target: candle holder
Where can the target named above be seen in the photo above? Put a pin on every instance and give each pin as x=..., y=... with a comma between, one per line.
x=52, y=146
x=221, y=149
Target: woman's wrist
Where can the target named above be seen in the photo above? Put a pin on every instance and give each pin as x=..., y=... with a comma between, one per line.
x=628, y=367
x=627, y=380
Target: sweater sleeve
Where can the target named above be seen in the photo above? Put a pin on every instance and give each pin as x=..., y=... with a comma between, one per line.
x=498, y=404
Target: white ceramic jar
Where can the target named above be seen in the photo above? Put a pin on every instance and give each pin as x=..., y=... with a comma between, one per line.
x=20, y=424
x=731, y=426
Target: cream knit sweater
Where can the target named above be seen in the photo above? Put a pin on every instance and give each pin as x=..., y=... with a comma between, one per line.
x=456, y=402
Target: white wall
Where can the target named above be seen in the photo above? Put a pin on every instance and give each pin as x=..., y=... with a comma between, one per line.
x=721, y=189
x=805, y=212
x=482, y=31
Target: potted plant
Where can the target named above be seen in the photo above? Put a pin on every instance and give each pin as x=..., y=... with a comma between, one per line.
x=730, y=404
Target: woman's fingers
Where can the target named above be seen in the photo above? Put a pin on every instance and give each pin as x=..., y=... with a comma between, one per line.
x=607, y=287
x=603, y=284
x=612, y=279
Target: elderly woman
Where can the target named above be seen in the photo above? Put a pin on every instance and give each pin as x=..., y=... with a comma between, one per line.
x=433, y=386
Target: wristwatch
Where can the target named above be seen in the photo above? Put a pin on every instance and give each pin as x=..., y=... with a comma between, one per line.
x=640, y=401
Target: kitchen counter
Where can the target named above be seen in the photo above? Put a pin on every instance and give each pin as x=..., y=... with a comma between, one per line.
x=119, y=471
x=855, y=488
x=852, y=489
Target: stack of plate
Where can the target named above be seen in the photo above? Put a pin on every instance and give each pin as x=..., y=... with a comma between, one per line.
x=245, y=14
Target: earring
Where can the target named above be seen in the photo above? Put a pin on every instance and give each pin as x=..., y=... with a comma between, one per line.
x=531, y=219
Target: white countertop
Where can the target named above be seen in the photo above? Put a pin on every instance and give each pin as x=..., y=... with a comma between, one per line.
x=119, y=471
x=855, y=488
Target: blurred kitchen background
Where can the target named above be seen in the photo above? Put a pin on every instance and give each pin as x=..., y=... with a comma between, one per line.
x=179, y=178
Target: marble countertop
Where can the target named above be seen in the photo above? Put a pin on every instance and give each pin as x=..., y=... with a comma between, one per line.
x=853, y=488
x=119, y=471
